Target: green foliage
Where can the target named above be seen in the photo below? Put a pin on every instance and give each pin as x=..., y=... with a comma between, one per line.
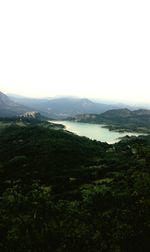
x=60, y=192
x=121, y=120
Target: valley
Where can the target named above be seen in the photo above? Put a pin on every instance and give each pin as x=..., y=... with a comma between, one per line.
x=62, y=192
x=79, y=184
x=120, y=120
x=99, y=132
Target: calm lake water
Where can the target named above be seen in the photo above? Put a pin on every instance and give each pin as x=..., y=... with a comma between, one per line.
x=94, y=131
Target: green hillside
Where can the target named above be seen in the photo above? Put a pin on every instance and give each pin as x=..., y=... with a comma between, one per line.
x=119, y=119
x=60, y=192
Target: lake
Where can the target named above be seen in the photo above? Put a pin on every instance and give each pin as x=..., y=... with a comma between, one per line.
x=94, y=131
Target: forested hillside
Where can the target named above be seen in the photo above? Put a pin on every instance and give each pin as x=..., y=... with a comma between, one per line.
x=119, y=119
x=60, y=192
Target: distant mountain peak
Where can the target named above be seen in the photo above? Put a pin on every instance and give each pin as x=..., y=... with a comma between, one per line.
x=63, y=107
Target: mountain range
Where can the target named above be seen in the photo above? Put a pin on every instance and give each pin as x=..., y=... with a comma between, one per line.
x=63, y=107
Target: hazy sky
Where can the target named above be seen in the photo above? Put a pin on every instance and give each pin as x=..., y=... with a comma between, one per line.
x=91, y=48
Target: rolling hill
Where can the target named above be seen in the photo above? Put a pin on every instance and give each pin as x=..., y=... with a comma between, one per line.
x=119, y=119
x=60, y=192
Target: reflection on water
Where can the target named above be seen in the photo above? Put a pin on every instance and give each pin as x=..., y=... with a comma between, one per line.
x=94, y=131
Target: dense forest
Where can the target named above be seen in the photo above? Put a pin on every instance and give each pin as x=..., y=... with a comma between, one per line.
x=60, y=192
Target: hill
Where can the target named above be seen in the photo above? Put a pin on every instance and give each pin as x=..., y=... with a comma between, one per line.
x=61, y=192
x=10, y=108
x=119, y=119
x=124, y=113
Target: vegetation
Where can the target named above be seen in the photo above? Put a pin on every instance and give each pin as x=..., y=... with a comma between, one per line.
x=119, y=120
x=28, y=121
x=60, y=192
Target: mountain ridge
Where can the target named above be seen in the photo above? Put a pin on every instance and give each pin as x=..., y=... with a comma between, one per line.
x=62, y=107
x=9, y=108
x=126, y=112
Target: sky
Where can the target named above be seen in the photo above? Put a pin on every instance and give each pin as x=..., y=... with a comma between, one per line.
x=88, y=48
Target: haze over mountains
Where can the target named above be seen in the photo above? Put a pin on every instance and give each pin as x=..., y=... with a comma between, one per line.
x=62, y=107
x=56, y=108
x=10, y=108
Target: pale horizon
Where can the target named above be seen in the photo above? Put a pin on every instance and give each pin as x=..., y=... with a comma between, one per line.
x=93, y=49
x=97, y=100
